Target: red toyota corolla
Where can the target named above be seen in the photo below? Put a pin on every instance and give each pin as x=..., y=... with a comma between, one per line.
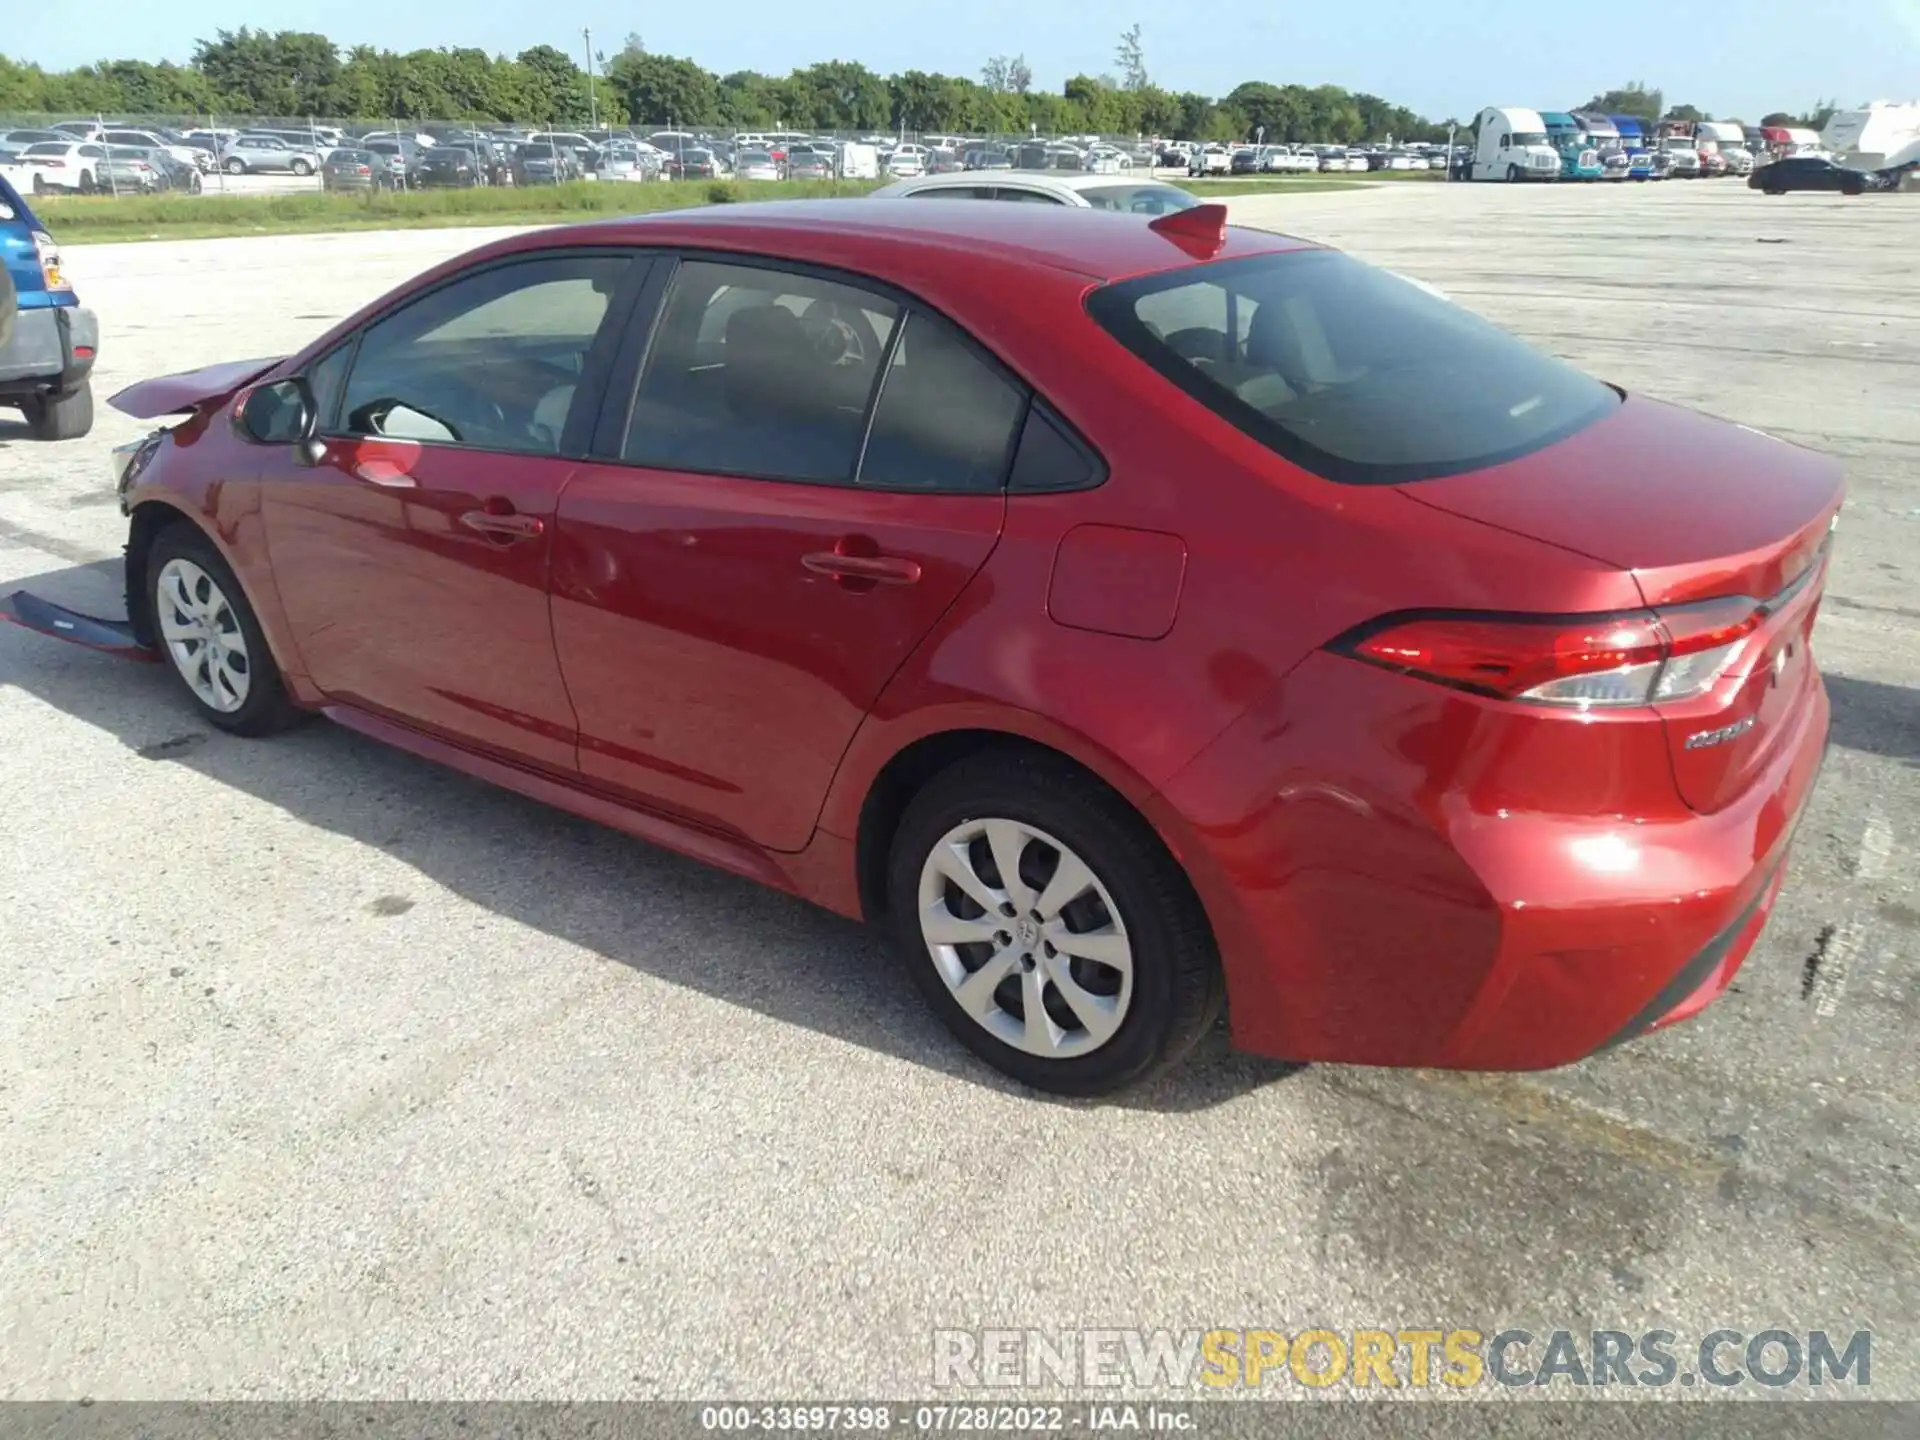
x=1133, y=617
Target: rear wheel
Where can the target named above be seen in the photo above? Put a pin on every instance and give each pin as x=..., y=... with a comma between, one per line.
x=61, y=417
x=39, y=183
x=1048, y=927
x=211, y=637
x=236, y=167
x=87, y=183
x=302, y=169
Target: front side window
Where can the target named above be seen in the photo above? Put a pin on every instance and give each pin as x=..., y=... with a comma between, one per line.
x=759, y=372
x=491, y=360
x=1350, y=372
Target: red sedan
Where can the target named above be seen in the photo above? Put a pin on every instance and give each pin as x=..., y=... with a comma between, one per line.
x=1134, y=618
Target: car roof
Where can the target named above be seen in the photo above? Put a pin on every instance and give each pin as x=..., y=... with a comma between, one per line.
x=1100, y=245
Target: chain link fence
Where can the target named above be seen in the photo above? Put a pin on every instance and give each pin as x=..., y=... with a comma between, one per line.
x=212, y=141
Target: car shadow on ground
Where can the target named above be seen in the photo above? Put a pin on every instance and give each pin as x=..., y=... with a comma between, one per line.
x=726, y=937
x=1876, y=718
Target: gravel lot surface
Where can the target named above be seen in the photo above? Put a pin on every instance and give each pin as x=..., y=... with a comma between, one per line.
x=325, y=1072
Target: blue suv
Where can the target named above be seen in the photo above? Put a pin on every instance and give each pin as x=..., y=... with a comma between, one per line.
x=47, y=338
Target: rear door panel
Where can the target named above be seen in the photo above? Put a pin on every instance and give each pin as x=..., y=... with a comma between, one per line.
x=713, y=672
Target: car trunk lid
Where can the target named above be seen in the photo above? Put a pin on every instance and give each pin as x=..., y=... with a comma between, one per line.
x=1695, y=510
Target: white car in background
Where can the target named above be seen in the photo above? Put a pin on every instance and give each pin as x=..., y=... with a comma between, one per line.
x=1214, y=159
x=52, y=165
x=1059, y=187
x=1288, y=160
x=905, y=162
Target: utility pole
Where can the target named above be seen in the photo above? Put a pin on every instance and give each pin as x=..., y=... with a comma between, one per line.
x=593, y=103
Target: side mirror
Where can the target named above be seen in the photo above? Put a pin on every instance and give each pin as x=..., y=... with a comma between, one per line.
x=282, y=413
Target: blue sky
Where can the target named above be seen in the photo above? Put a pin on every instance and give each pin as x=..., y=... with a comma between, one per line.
x=1739, y=59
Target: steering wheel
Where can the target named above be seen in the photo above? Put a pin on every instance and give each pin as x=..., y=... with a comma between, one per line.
x=836, y=336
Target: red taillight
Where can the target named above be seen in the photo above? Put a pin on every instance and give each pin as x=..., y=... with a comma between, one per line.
x=366, y=170
x=83, y=352
x=1637, y=658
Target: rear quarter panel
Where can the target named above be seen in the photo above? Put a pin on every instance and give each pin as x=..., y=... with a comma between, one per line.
x=1278, y=563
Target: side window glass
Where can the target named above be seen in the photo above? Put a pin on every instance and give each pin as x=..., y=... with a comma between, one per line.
x=491, y=360
x=1028, y=197
x=327, y=376
x=951, y=192
x=945, y=419
x=1048, y=459
x=759, y=372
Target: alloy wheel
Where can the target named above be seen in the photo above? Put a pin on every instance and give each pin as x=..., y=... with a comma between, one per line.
x=203, y=635
x=1026, y=938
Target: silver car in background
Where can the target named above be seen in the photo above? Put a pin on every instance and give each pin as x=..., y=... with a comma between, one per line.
x=266, y=155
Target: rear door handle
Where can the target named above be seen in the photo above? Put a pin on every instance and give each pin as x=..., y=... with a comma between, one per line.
x=504, y=527
x=878, y=569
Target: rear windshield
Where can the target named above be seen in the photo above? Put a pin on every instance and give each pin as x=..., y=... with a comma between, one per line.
x=1151, y=198
x=1348, y=371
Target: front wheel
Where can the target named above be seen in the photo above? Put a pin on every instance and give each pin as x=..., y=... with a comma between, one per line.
x=302, y=169
x=236, y=167
x=1514, y=175
x=211, y=637
x=1048, y=927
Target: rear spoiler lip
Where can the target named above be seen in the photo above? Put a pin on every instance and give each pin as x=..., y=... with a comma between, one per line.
x=190, y=389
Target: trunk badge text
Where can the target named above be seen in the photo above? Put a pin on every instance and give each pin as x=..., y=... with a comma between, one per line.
x=1704, y=738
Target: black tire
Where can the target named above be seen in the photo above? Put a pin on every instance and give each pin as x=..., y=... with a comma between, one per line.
x=236, y=167
x=39, y=183
x=9, y=300
x=1514, y=175
x=61, y=417
x=302, y=169
x=1177, y=986
x=266, y=710
x=87, y=183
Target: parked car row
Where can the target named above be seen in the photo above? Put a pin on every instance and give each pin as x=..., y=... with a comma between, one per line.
x=1217, y=158
x=1519, y=145
x=89, y=167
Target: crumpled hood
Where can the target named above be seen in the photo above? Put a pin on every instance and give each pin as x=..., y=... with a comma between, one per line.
x=176, y=394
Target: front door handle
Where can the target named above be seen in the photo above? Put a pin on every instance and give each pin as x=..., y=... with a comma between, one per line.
x=874, y=569
x=503, y=527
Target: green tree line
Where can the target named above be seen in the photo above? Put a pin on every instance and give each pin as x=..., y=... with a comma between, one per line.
x=291, y=74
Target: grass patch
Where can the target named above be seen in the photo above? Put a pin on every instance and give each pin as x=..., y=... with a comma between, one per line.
x=98, y=219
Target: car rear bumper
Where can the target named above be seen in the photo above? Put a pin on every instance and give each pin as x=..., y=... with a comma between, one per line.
x=1383, y=892
x=51, y=350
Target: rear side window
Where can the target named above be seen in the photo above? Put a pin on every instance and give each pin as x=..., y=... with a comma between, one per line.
x=945, y=419
x=1348, y=371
